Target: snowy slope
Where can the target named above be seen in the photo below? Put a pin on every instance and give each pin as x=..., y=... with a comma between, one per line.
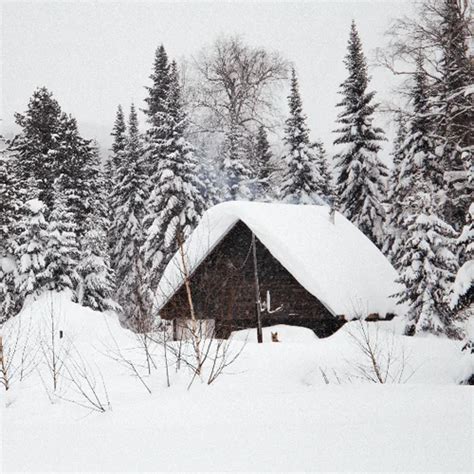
x=334, y=262
x=270, y=411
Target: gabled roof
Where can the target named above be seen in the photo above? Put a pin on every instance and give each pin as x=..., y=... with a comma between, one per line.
x=336, y=263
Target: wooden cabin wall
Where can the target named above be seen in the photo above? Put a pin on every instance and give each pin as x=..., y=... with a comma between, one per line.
x=223, y=289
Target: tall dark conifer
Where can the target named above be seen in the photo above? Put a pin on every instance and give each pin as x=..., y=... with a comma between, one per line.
x=175, y=203
x=36, y=146
x=127, y=223
x=302, y=182
x=360, y=183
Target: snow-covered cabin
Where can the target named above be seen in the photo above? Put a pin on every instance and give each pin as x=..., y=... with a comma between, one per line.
x=312, y=271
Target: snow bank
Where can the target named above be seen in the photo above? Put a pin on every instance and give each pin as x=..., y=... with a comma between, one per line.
x=335, y=262
x=270, y=411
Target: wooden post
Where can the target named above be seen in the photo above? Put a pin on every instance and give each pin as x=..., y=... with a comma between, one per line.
x=257, y=292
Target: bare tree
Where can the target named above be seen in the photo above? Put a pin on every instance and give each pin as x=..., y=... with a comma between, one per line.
x=237, y=83
x=18, y=353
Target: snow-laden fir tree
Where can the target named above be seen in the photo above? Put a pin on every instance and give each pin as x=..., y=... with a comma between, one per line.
x=37, y=144
x=97, y=280
x=396, y=192
x=62, y=247
x=327, y=184
x=418, y=160
x=175, y=204
x=74, y=155
x=129, y=197
x=156, y=111
x=302, y=182
x=10, y=213
x=361, y=174
x=236, y=167
x=30, y=251
x=461, y=297
x=118, y=146
x=427, y=264
x=264, y=165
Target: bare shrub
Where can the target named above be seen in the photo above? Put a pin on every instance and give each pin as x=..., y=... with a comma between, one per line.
x=384, y=359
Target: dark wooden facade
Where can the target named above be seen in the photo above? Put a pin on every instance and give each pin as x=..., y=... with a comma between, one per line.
x=223, y=290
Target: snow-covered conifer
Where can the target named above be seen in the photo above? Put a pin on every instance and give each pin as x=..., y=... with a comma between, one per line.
x=37, y=144
x=175, y=203
x=427, y=263
x=327, y=183
x=302, y=182
x=395, y=192
x=263, y=164
x=118, y=146
x=97, y=280
x=62, y=247
x=462, y=292
x=129, y=196
x=30, y=251
x=10, y=214
x=236, y=167
x=361, y=179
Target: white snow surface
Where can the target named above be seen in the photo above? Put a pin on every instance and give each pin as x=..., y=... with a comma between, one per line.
x=270, y=411
x=336, y=262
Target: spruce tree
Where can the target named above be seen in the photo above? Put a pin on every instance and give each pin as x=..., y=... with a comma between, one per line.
x=302, y=182
x=118, y=147
x=361, y=179
x=418, y=161
x=236, y=167
x=62, y=247
x=10, y=214
x=97, y=280
x=461, y=298
x=30, y=250
x=36, y=146
x=327, y=184
x=263, y=164
x=396, y=192
x=427, y=264
x=175, y=204
x=129, y=197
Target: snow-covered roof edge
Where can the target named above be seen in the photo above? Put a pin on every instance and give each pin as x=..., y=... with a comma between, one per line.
x=357, y=277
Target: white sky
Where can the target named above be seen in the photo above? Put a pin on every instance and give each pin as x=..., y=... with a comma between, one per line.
x=95, y=55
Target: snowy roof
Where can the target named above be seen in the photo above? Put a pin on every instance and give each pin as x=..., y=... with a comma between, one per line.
x=336, y=263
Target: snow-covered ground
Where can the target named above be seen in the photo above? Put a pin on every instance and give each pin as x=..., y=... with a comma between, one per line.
x=271, y=410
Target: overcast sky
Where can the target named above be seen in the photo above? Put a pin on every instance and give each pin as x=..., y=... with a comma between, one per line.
x=95, y=55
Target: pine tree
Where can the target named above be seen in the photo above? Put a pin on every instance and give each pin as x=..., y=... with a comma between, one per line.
x=62, y=247
x=427, y=264
x=360, y=183
x=175, y=203
x=302, y=182
x=30, y=251
x=36, y=146
x=263, y=163
x=129, y=197
x=97, y=280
